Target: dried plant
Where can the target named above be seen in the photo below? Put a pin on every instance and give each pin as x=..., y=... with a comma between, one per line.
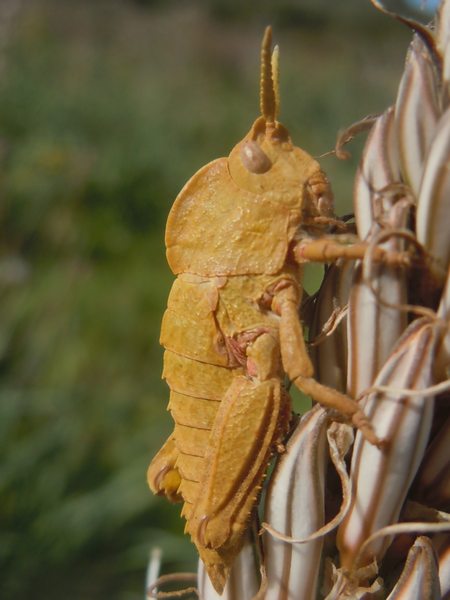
x=380, y=528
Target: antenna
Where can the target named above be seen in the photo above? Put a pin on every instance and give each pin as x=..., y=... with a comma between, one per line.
x=275, y=62
x=269, y=93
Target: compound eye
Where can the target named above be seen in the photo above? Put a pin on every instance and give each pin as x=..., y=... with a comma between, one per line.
x=254, y=158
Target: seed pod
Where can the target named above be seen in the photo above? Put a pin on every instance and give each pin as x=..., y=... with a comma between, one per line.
x=295, y=511
x=434, y=196
x=377, y=208
x=441, y=544
x=419, y=579
x=244, y=579
x=295, y=507
x=444, y=313
x=417, y=112
x=432, y=486
x=381, y=478
x=443, y=42
x=368, y=319
x=378, y=170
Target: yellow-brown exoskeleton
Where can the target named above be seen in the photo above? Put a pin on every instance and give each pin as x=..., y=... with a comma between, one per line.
x=231, y=331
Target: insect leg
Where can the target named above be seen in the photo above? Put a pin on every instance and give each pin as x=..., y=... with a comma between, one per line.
x=252, y=418
x=331, y=248
x=298, y=366
x=162, y=476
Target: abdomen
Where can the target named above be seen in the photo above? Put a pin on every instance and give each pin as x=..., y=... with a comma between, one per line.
x=199, y=367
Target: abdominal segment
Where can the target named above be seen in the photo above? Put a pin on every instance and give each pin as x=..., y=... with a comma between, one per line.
x=196, y=390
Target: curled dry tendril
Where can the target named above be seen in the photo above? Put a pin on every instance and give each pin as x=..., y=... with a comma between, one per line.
x=368, y=261
x=173, y=578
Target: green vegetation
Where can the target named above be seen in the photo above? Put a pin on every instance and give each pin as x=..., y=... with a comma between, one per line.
x=106, y=108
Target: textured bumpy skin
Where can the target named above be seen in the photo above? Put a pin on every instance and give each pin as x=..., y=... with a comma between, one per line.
x=231, y=330
x=228, y=237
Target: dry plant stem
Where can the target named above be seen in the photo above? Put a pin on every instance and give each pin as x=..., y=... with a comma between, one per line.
x=413, y=25
x=415, y=511
x=333, y=322
x=427, y=392
x=346, y=135
x=153, y=567
x=399, y=528
x=172, y=578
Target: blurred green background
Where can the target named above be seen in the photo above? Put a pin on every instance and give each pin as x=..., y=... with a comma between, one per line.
x=106, y=109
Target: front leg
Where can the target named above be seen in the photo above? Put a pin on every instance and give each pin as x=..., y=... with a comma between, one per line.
x=297, y=363
x=331, y=248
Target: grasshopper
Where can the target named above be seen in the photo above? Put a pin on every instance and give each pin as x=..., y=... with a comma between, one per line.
x=236, y=237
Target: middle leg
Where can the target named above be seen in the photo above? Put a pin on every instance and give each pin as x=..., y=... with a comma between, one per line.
x=298, y=366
